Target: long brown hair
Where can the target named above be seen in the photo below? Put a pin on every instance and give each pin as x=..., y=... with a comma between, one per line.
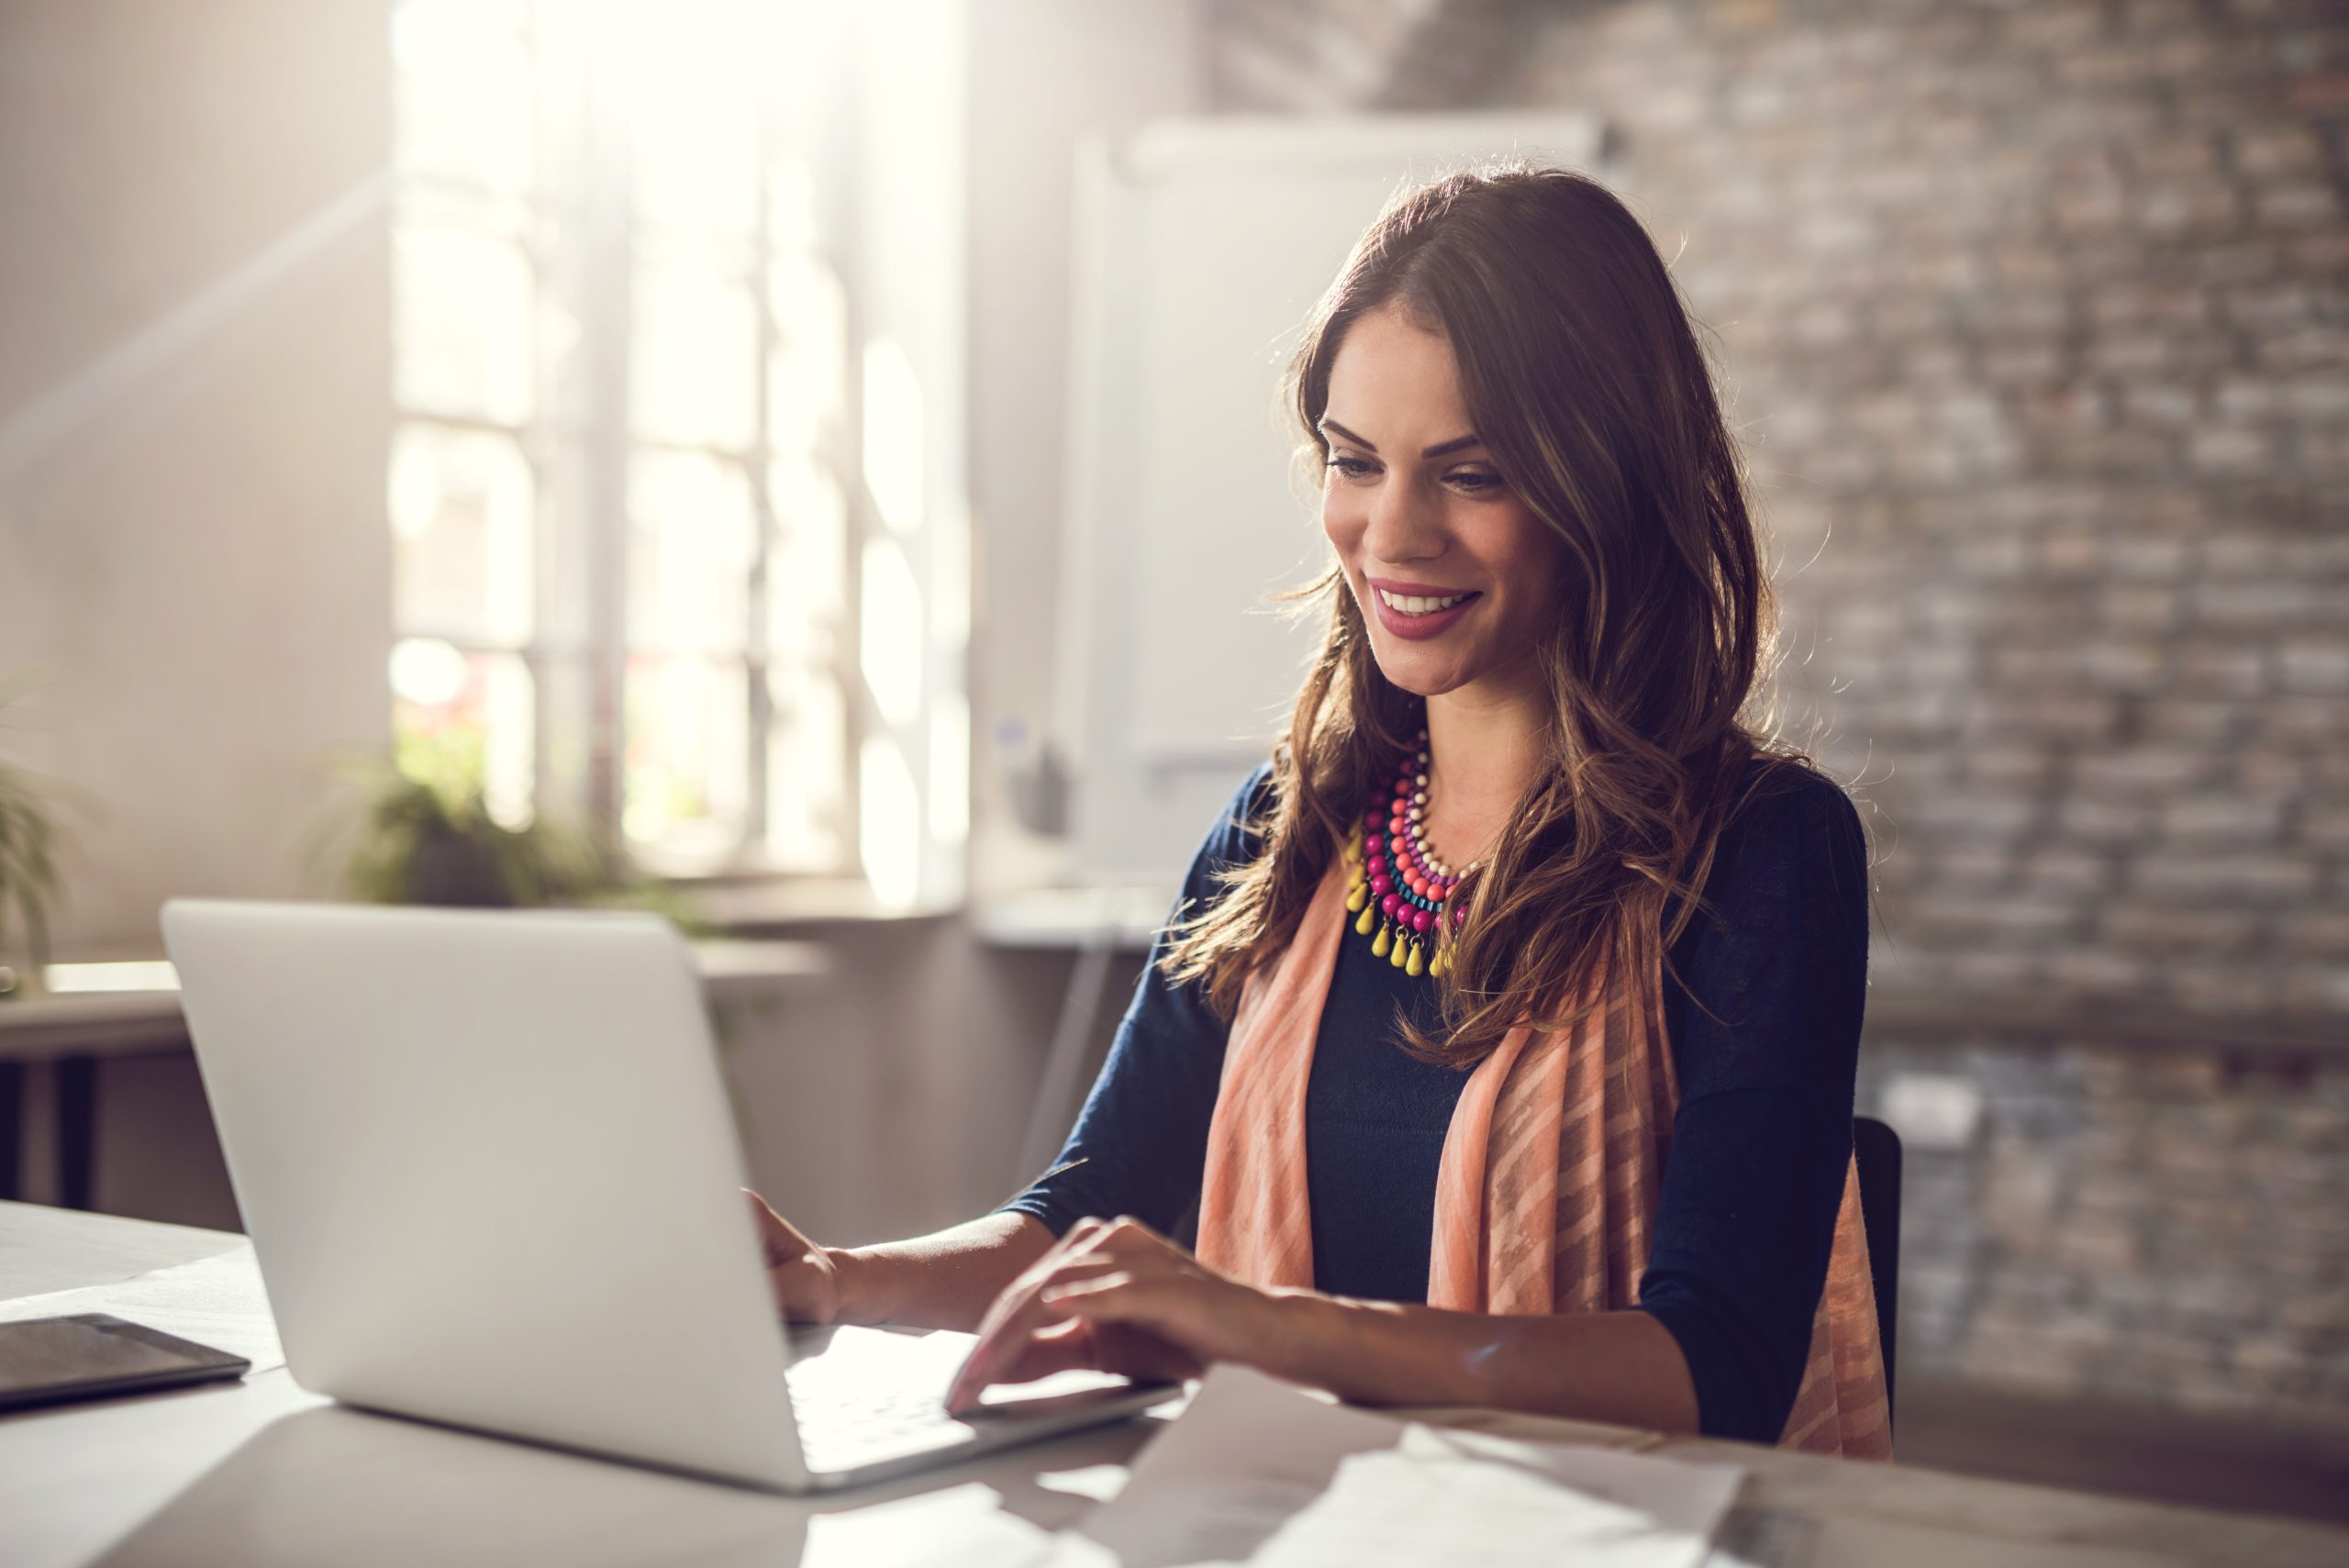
x=1583, y=375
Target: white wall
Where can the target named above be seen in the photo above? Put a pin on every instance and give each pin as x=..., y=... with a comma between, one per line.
x=194, y=378
x=1042, y=71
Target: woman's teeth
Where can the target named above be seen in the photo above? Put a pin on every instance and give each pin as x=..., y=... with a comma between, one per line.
x=1411, y=605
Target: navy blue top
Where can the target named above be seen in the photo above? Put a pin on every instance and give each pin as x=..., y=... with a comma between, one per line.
x=1760, y=1144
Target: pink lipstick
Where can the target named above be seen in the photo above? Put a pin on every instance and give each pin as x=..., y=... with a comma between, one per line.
x=1417, y=628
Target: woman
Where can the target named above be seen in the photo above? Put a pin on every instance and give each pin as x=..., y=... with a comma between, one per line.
x=1422, y=1114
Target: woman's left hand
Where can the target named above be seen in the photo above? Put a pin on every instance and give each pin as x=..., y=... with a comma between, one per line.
x=1114, y=1295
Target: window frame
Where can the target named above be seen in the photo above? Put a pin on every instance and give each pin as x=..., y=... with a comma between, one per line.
x=579, y=446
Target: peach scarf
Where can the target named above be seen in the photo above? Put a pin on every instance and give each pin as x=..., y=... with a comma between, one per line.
x=1546, y=1188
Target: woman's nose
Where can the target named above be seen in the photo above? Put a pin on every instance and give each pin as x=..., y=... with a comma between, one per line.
x=1403, y=524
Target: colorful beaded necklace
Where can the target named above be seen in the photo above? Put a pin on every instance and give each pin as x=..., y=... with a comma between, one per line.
x=1397, y=884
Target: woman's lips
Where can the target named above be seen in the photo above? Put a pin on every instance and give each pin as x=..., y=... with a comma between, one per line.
x=1417, y=627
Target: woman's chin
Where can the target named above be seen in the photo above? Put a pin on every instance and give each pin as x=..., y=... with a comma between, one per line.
x=1419, y=678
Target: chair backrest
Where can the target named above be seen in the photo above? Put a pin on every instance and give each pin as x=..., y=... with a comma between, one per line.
x=1877, y=1149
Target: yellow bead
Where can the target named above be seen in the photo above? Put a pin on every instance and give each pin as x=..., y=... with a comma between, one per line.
x=1378, y=948
x=1358, y=898
x=1435, y=966
x=1412, y=964
x=1363, y=925
x=1396, y=957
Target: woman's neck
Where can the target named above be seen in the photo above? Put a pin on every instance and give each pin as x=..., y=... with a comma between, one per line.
x=1482, y=753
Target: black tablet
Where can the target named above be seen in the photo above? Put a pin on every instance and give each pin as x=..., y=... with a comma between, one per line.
x=90, y=1354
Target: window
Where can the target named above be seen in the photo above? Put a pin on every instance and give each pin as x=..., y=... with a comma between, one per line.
x=660, y=564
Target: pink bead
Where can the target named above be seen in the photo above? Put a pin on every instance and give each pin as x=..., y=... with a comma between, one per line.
x=1388, y=904
x=1380, y=883
x=1460, y=916
x=1374, y=843
x=1421, y=919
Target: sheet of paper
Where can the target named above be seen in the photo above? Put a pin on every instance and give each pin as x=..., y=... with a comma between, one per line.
x=214, y=1301
x=1442, y=1497
x=1248, y=1473
x=1247, y=1453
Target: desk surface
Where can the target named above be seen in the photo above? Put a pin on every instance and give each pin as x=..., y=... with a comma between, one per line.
x=263, y=1473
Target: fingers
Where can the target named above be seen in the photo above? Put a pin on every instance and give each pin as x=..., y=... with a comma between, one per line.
x=781, y=1239
x=1094, y=1297
x=1150, y=1323
x=799, y=1275
x=1013, y=1321
x=1053, y=1347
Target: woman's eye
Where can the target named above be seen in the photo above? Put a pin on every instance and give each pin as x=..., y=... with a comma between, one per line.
x=1476, y=482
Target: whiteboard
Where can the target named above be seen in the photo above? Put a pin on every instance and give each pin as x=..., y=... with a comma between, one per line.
x=1201, y=245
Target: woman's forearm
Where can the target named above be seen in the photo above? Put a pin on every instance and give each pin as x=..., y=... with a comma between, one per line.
x=1623, y=1366
x=944, y=1280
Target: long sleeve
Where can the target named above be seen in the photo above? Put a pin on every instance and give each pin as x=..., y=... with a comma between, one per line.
x=1140, y=1144
x=1762, y=1136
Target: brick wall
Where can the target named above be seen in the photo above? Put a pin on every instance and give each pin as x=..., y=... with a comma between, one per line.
x=2036, y=318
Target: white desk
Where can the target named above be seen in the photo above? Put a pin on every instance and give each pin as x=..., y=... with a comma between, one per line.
x=262, y=1472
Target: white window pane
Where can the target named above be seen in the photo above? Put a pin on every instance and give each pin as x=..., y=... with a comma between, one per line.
x=696, y=135
x=794, y=221
x=895, y=434
x=687, y=774
x=950, y=770
x=808, y=574
x=806, y=379
x=461, y=324
x=807, y=771
x=465, y=725
x=889, y=623
x=462, y=92
x=696, y=350
x=692, y=535
x=888, y=823
x=464, y=527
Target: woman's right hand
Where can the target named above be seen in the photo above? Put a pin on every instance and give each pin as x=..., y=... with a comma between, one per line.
x=804, y=1278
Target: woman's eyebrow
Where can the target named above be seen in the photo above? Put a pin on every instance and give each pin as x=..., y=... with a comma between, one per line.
x=1457, y=443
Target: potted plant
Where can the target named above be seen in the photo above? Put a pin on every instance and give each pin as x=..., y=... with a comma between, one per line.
x=28, y=883
x=425, y=835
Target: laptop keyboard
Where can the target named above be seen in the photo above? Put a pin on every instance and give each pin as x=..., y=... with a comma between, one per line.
x=849, y=1420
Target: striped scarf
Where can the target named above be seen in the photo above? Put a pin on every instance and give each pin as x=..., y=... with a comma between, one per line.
x=1547, y=1188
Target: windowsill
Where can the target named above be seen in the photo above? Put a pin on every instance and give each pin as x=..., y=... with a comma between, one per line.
x=747, y=907
x=1120, y=918
x=130, y=1006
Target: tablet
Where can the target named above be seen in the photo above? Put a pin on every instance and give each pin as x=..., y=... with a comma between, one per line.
x=91, y=1354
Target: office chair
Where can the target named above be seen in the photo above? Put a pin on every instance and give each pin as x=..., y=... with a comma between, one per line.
x=1877, y=1149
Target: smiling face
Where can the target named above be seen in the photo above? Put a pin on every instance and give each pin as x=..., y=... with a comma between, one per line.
x=1420, y=515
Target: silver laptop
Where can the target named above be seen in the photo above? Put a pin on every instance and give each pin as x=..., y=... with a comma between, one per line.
x=492, y=1179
